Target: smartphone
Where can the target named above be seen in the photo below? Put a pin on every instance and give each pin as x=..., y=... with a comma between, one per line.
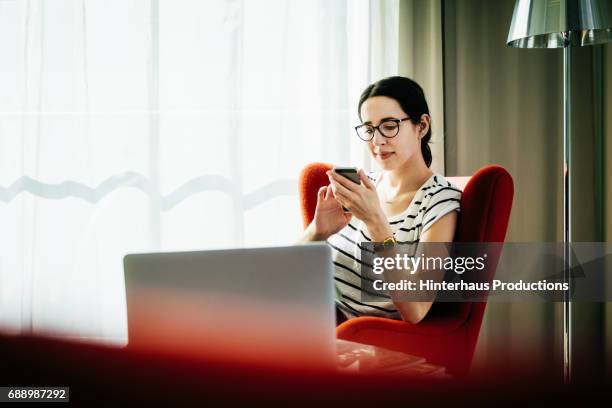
x=351, y=174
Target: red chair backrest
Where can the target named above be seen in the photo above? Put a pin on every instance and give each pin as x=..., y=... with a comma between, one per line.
x=485, y=206
x=311, y=179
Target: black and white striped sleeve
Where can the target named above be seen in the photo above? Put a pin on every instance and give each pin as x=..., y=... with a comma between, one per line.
x=442, y=200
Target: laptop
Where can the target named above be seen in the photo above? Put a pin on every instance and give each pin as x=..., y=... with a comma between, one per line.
x=272, y=305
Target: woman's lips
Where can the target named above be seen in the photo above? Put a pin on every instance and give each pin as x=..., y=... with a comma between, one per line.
x=385, y=156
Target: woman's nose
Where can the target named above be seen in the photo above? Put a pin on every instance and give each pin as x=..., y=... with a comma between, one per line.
x=378, y=139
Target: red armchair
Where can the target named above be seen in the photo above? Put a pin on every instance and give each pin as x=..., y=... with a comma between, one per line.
x=448, y=334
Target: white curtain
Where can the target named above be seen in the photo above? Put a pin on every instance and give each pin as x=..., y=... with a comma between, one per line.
x=153, y=125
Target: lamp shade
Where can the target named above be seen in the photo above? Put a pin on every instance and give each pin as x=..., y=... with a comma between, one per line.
x=560, y=23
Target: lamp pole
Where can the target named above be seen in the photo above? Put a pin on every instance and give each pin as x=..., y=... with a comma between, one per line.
x=563, y=24
x=567, y=210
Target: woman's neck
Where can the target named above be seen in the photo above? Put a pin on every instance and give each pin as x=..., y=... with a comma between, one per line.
x=409, y=177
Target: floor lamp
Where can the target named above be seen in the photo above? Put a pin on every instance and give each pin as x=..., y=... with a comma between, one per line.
x=562, y=24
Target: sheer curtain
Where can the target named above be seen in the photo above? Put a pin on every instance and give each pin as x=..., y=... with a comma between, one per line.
x=130, y=126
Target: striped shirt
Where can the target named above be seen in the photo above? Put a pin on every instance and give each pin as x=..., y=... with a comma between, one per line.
x=436, y=198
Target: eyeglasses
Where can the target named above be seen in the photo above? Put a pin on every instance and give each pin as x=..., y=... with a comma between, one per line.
x=388, y=128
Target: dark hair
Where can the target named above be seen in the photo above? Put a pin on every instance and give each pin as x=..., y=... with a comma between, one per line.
x=411, y=99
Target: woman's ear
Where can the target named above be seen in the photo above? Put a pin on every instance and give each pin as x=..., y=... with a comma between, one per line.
x=424, y=125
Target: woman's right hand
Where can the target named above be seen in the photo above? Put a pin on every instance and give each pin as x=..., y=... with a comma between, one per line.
x=329, y=217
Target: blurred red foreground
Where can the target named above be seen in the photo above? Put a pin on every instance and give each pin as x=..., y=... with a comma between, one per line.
x=105, y=375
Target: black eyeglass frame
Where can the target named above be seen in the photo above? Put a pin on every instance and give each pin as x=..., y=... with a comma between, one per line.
x=375, y=128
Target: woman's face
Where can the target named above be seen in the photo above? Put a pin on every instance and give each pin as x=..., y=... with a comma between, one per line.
x=392, y=153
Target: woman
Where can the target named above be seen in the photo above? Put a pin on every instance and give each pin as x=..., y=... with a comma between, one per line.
x=404, y=202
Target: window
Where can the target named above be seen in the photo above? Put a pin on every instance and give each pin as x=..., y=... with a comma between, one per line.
x=130, y=126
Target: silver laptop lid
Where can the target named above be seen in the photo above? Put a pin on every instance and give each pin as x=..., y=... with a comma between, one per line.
x=259, y=304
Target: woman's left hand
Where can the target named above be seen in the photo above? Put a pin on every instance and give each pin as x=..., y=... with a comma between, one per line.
x=361, y=199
